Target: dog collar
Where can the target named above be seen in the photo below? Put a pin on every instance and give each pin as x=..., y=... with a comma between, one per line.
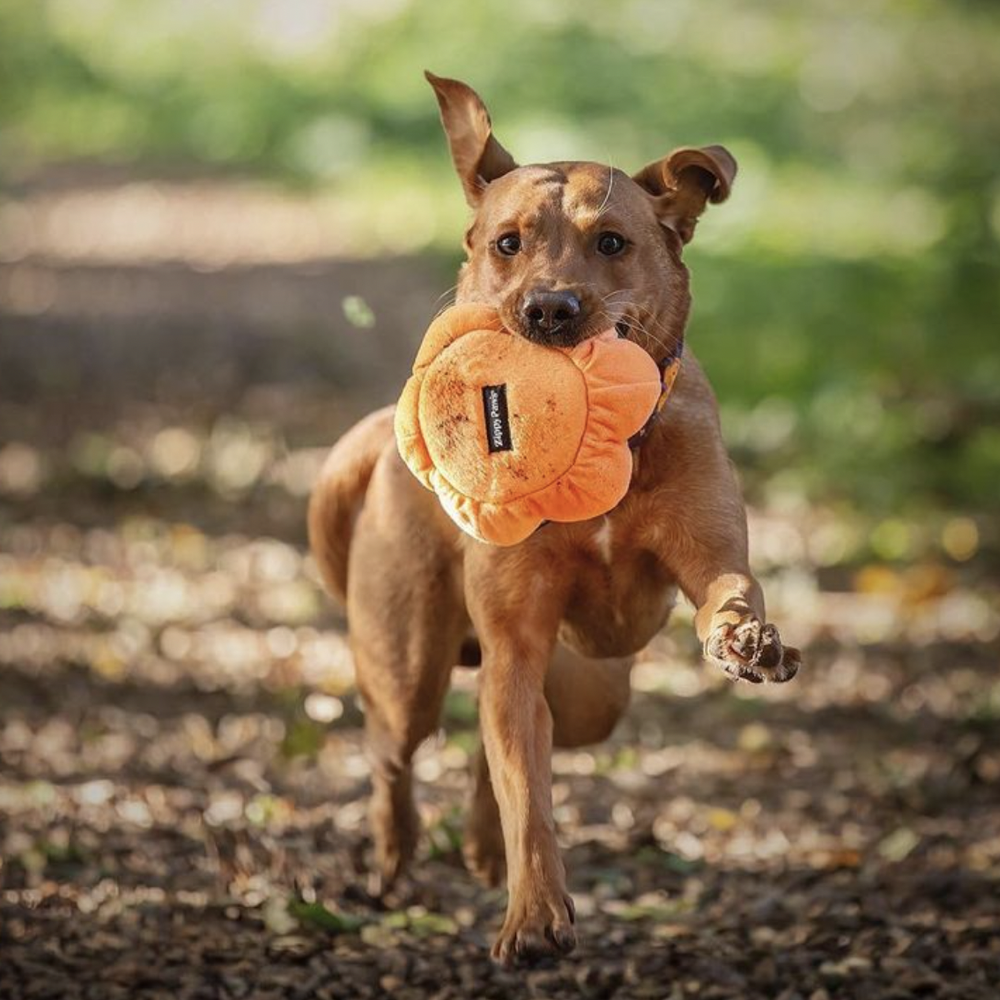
x=670, y=366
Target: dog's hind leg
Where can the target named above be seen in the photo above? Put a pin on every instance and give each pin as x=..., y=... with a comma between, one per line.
x=586, y=697
x=482, y=838
x=407, y=622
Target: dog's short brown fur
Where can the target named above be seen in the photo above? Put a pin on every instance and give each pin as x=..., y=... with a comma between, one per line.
x=560, y=616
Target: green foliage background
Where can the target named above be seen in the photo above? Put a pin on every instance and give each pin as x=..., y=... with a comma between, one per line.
x=847, y=298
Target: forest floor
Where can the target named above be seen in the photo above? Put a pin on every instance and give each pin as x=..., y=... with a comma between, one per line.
x=182, y=778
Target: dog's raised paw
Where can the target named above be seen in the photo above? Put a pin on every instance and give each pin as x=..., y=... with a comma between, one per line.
x=752, y=651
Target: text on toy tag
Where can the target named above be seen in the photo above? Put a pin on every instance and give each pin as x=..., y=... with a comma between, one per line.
x=497, y=421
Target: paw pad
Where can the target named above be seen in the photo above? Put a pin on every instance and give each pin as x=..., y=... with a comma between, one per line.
x=753, y=652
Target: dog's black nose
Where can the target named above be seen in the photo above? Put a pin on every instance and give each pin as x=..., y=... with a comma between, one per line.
x=547, y=313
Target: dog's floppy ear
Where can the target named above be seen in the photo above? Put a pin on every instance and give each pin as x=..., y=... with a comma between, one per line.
x=683, y=182
x=478, y=157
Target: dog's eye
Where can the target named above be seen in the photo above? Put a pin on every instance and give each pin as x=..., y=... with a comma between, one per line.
x=509, y=244
x=610, y=244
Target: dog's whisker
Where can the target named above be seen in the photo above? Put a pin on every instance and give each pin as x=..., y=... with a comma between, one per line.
x=651, y=338
x=445, y=300
x=607, y=197
x=616, y=292
x=642, y=322
x=661, y=326
x=448, y=293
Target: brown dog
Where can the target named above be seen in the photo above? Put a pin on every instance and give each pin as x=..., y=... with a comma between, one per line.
x=564, y=250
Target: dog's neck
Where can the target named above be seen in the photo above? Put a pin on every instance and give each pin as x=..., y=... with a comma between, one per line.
x=669, y=366
x=652, y=446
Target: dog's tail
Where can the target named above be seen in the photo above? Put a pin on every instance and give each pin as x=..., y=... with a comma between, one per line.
x=339, y=493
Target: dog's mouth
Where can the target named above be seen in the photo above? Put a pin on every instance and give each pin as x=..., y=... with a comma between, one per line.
x=573, y=335
x=560, y=336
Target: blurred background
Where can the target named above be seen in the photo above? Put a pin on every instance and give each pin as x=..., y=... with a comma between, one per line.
x=223, y=229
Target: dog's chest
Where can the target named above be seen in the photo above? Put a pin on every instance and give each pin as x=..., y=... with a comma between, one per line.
x=621, y=593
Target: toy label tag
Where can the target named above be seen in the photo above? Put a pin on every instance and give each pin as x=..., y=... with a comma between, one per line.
x=497, y=421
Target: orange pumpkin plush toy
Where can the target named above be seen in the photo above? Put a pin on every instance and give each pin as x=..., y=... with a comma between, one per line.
x=510, y=434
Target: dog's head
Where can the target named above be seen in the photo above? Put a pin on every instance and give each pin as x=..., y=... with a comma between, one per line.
x=566, y=250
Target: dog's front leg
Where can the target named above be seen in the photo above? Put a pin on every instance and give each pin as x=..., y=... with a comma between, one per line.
x=517, y=620
x=704, y=547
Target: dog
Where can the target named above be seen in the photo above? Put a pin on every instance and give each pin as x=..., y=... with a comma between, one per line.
x=564, y=251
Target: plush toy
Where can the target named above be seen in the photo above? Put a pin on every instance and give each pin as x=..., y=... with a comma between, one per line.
x=511, y=434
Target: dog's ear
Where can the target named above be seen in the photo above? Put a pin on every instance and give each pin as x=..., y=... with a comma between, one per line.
x=478, y=157
x=685, y=181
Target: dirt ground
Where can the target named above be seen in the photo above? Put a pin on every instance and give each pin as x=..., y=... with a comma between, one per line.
x=182, y=780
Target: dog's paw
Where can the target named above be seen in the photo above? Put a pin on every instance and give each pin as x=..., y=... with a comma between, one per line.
x=536, y=929
x=752, y=651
